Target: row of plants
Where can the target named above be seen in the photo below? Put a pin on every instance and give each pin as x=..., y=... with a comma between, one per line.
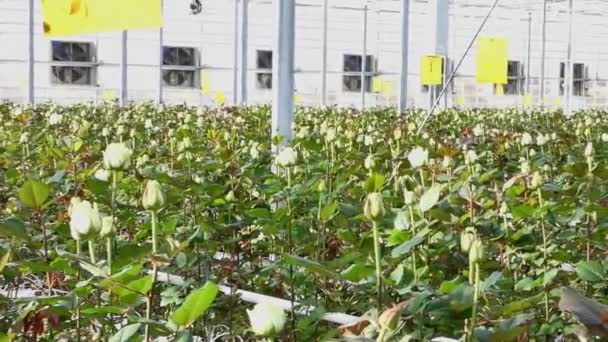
x=467, y=229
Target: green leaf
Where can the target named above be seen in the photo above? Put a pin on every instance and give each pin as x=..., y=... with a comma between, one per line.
x=312, y=266
x=184, y=336
x=258, y=213
x=407, y=246
x=590, y=271
x=34, y=193
x=195, y=305
x=104, y=310
x=492, y=279
x=430, y=198
x=139, y=286
x=14, y=228
x=124, y=334
x=402, y=220
x=549, y=276
x=374, y=183
x=521, y=305
x=4, y=260
x=357, y=272
x=397, y=274
x=329, y=211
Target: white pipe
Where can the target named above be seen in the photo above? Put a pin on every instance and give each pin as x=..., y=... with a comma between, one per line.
x=324, y=63
x=123, y=71
x=243, y=32
x=364, y=59
x=405, y=13
x=235, y=62
x=160, y=61
x=542, y=55
x=30, y=54
x=569, y=84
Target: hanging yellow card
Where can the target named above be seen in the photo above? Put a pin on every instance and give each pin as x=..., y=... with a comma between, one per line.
x=492, y=60
x=558, y=102
x=220, y=98
x=108, y=95
x=387, y=88
x=205, y=82
x=500, y=90
x=23, y=84
x=431, y=70
x=545, y=100
x=459, y=100
x=528, y=100
x=73, y=17
x=297, y=98
x=376, y=84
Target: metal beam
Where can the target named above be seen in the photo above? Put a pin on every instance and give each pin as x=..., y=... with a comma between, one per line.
x=235, y=61
x=364, y=59
x=30, y=54
x=161, y=35
x=124, y=97
x=569, y=84
x=243, y=47
x=405, y=13
x=282, y=70
x=542, y=55
x=529, y=56
x=324, y=66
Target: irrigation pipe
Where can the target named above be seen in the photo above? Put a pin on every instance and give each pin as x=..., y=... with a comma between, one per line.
x=466, y=52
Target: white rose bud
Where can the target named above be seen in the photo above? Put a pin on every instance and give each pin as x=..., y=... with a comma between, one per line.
x=589, y=150
x=267, y=319
x=418, y=157
x=107, y=227
x=476, y=252
x=369, y=162
x=287, y=157
x=85, y=221
x=466, y=239
x=374, y=207
x=153, y=197
x=116, y=156
x=537, y=180
x=526, y=139
x=102, y=175
x=409, y=197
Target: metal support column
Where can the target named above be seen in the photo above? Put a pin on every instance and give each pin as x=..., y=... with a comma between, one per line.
x=243, y=46
x=529, y=56
x=441, y=22
x=364, y=59
x=324, y=66
x=405, y=13
x=568, y=84
x=161, y=34
x=282, y=70
x=235, y=62
x=124, y=98
x=30, y=54
x=542, y=55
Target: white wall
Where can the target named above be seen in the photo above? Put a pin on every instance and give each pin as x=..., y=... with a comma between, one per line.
x=212, y=33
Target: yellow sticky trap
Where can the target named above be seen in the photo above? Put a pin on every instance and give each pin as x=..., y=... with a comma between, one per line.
x=557, y=102
x=205, y=82
x=545, y=100
x=108, y=95
x=376, y=84
x=431, y=70
x=220, y=98
x=459, y=100
x=492, y=60
x=593, y=104
x=528, y=100
x=22, y=84
x=72, y=17
x=297, y=98
x=387, y=88
x=500, y=90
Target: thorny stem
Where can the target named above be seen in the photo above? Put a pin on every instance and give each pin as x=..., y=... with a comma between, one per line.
x=291, y=273
x=414, y=267
x=78, y=253
x=475, y=302
x=150, y=295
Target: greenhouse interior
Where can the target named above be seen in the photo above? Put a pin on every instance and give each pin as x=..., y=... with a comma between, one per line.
x=303, y=170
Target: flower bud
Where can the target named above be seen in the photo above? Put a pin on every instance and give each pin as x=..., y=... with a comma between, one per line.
x=116, y=156
x=102, y=175
x=267, y=319
x=374, y=207
x=537, y=180
x=418, y=157
x=153, y=197
x=107, y=227
x=589, y=150
x=466, y=239
x=369, y=162
x=322, y=187
x=287, y=157
x=526, y=139
x=476, y=253
x=85, y=221
x=230, y=197
x=503, y=208
x=409, y=197
x=389, y=319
